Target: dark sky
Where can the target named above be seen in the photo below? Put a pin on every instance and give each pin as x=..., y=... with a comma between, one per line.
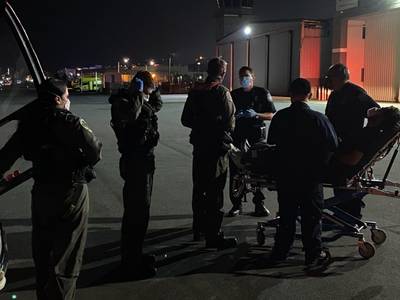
x=77, y=32
x=87, y=32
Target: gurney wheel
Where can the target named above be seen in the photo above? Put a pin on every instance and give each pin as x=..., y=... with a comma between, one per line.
x=366, y=250
x=378, y=236
x=2, y=280
x=260, y=237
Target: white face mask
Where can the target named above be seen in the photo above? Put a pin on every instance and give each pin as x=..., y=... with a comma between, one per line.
x=67, y=105
x=247, y=81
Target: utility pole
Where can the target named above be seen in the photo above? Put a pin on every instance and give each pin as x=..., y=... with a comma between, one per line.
x=169, y=68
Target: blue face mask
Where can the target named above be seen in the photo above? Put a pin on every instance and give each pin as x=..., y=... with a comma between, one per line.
x=246, y=82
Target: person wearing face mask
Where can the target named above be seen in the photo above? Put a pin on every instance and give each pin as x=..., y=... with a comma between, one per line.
x=63, y=151
x=347, y=109
x=134, y=121
x=254, y=106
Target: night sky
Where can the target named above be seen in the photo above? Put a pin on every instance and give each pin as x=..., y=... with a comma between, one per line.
x=81, y=33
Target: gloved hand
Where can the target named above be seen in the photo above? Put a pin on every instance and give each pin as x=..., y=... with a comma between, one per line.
x=138, y=84
x=247, y=114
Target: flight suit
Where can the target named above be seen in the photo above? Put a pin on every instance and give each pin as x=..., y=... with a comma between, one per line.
x=210, y=113
x=135, y=124
x=63, y=151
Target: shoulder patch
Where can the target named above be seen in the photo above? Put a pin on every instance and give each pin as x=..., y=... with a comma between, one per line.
x=85, y=125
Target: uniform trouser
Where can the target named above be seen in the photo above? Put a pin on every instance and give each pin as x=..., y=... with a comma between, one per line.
x=209, y=178
x=308, y=200
x=252, y=137
x=137, y=171
x=59, y=230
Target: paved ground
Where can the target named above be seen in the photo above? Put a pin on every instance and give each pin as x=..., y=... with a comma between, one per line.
x=186, y=269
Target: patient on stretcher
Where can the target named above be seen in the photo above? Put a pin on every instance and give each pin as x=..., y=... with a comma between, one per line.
x=354, y=153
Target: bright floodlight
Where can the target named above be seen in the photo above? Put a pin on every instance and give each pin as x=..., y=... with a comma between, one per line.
x=152, y=63
x=247, y=30
x=126, y=60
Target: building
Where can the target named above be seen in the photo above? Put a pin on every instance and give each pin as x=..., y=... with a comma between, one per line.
x=278, y=52
x=366, y=37
x=363, y=34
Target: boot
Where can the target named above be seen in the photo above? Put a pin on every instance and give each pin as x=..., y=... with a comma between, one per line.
x=260, y=210
x=318, y=262
x=221, y=242
x=235, y=211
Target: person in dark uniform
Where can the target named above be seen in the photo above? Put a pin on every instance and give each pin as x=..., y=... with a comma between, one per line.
x=305, y=141
x=135, y=124
x=253, y=106
x=63, y=151
x=210, y=113
x=347, y=110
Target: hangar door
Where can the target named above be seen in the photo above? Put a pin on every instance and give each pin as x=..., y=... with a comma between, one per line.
x=382, y=56
x=240, y=54
x=280, y=63
x=258, y=60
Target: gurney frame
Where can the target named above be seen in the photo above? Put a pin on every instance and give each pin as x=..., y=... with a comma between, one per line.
x=363, y=182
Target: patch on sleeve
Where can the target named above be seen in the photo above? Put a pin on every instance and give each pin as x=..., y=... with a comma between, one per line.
x=85, y=125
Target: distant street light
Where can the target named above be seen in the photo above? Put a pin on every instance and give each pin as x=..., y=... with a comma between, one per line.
x=125, y=60
x=247, y=30
x=150, y=63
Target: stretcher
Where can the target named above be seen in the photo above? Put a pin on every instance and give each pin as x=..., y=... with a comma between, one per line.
x=251, y=177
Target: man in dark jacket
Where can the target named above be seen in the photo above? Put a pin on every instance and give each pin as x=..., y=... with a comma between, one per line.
x=63, y=151
x=347, y=110
x=305, y=140
x=210, y=113
x=135, y=125
x=254, y=106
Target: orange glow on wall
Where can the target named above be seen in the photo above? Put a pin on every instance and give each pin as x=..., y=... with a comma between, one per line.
x=356, y=51
x=126, y=78
x=310, y=55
